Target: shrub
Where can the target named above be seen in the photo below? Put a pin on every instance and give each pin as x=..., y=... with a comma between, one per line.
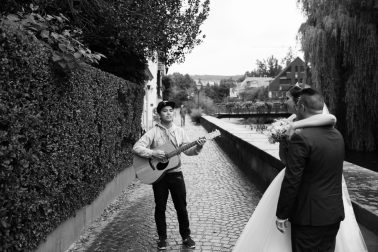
x=207, y=105
x=61, y=138
x=195, y=115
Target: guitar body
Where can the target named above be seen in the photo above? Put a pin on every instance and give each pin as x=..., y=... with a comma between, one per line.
x=149, y=171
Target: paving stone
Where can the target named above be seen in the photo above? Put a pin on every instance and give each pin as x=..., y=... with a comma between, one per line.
x=220, y=200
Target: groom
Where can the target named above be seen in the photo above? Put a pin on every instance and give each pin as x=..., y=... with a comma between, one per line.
x=311, y=191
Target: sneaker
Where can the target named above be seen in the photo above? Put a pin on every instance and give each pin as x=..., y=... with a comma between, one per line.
x=162, y=245
x=188, y=242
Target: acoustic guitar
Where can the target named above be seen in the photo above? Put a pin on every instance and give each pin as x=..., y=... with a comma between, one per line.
x=151, y=170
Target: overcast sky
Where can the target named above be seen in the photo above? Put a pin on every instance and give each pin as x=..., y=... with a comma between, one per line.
x=238, y=32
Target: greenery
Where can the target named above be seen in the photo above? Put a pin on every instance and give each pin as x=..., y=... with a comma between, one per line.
x=69, y=53
x=182, y=89
x=288, y=58
x=268, y=67
x=195, y=115
x=255, y=94
x=179, y=88
x=62, y=138
x=128, y=32
x=205, y=78
x=219, y=93
x=340, y=41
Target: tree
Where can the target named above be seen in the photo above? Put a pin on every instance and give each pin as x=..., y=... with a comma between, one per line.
x=222, y=91
x=255, y=94
x=181, y=87
x=129, y=31
x=209, y=91
x=268, y=67
x=184, y=82
x=288, y=58
x=340, y=41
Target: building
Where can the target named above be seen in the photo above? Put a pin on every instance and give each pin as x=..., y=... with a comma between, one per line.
x=205, y=83
x=290, y=75
x=199, y=82
x=250, y=83
x=153, y=92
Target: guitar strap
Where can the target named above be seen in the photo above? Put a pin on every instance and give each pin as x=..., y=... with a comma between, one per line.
x=167, y=134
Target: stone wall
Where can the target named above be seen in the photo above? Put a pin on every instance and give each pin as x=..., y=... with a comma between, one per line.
x=69, y=231
x=260, y=166
x=260, y=160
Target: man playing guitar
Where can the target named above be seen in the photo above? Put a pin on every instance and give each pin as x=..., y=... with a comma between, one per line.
x=173, y=181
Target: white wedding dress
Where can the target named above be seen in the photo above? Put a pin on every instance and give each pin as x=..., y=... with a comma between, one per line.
x=261, y=235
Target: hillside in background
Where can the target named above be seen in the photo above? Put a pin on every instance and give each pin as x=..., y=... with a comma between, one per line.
x=214, y=78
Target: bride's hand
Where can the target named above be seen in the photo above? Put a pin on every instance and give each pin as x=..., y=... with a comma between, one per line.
x=292, y=117
x=290, y=131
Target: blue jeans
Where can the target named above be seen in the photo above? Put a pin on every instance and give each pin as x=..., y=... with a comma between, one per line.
x=175, y=184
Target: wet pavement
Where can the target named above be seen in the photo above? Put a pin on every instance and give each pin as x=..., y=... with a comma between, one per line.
x=362, y=183
x=220, y=199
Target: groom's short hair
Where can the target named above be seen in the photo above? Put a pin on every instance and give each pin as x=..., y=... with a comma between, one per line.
x=312, y=99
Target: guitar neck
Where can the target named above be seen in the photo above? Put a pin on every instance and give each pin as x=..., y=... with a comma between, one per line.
x=181, y=149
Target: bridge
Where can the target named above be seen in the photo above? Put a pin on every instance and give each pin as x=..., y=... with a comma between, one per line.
x=253, y=115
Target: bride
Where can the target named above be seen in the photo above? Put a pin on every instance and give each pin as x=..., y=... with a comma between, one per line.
x=260, y=233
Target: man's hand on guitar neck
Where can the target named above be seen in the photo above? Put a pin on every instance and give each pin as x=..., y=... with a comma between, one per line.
x=158, y=154
x=200, y=142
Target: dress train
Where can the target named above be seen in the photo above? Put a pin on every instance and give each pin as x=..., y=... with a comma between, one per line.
x=260, y=233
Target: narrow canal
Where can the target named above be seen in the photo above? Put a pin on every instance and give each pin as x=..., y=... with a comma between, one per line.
x=368, y=160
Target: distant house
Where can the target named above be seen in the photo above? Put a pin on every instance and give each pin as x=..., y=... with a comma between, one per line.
x=250, y=83
x=206, y=82
x=290, y=75
x=199, y=82
x=211, y=83
x=233, y=92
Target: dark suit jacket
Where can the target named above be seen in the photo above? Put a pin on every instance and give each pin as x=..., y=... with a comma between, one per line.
x=311, y=191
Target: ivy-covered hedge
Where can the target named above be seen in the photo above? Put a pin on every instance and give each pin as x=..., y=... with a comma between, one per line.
x=62, y=138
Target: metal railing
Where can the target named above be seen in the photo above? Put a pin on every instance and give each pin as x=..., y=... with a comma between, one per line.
x=227, y=109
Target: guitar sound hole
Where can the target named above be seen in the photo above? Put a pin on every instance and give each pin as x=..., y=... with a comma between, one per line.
x=161, y=166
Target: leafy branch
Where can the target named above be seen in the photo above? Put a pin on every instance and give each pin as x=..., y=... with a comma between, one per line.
x=69, y=53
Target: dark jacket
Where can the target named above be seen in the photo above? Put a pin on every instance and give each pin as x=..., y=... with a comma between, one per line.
x=311, y=191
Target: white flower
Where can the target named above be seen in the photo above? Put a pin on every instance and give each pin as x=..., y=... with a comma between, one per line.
x=276, y=131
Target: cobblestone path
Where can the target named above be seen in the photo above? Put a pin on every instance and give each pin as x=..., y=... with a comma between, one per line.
x=220, y=201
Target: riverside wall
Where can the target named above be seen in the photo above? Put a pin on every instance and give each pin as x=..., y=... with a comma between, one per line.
x=252, y=152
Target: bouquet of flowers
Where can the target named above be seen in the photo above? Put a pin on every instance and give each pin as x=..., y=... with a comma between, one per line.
x=276, y=131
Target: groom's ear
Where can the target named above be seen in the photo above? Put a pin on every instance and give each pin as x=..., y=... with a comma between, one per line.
x=301, y=107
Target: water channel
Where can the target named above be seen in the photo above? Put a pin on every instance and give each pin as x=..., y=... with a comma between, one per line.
x=368, y=160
